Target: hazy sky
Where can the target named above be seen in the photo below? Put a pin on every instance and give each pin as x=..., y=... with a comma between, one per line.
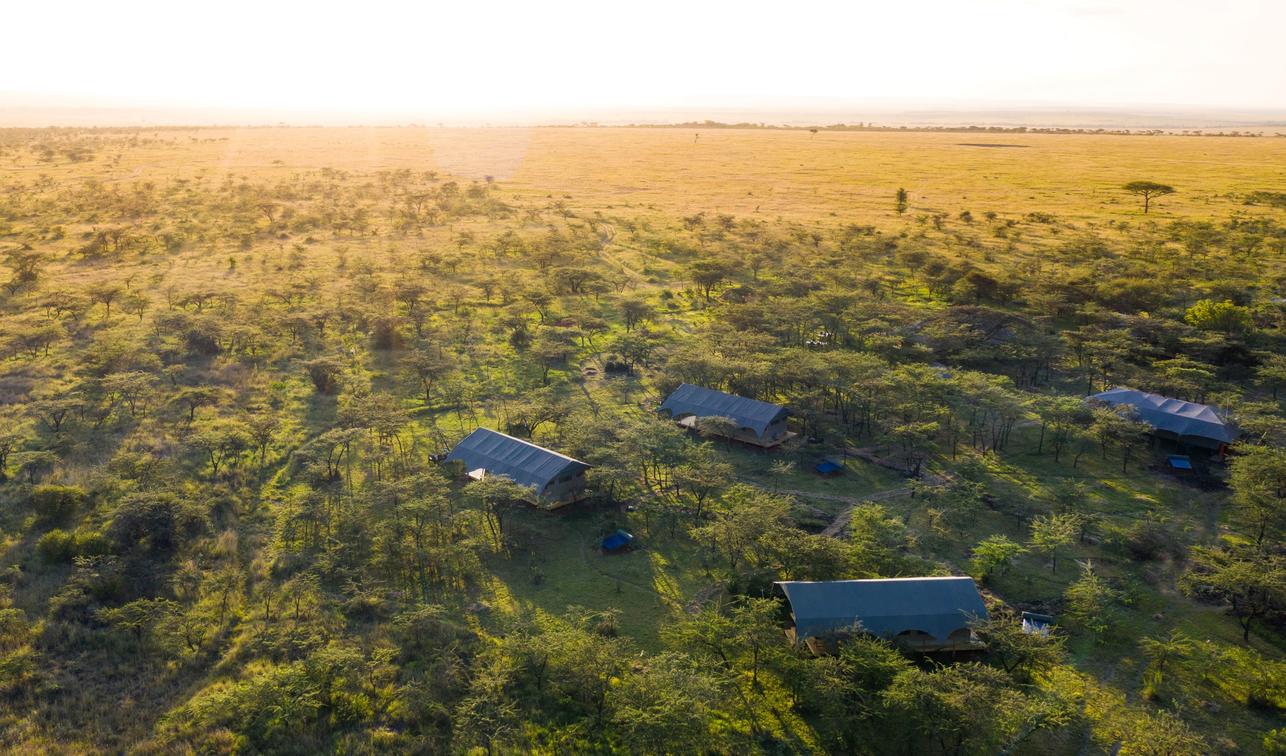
x=437, y=58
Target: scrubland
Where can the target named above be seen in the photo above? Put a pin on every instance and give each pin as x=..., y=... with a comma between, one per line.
x=230, y=358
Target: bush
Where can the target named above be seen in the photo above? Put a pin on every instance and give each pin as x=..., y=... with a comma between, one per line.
x=155, y=523
x=91, y=543
x=60, y=547
x=56, y=504
x=1225, y=316
x=1148, y=540
x=385, y=334
x=325, y=374
x=57, y=546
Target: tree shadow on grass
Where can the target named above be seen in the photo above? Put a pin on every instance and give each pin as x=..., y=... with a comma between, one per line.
x=559, y=564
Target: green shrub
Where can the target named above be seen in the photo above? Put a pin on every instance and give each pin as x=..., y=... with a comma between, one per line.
x=56, y=503
x=1148, y=540
x=91, y=543
x=57, y=546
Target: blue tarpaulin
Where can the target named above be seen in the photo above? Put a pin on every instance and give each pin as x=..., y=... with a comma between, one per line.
x=1179, y=462
x=617, y=541
x=828, y=467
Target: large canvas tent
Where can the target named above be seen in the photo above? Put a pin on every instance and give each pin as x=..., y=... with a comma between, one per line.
x=554, y=477
x=921, y=613
x=1186, y=422
x=756, y=422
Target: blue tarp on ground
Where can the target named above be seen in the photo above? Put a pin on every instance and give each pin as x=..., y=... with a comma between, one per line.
x=617, y=541
x=828, y=467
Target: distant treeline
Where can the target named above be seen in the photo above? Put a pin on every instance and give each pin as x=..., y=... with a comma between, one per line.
x=948, y=129
x=16, y=134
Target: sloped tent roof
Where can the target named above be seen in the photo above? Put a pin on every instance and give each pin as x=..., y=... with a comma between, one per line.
x=521, y=461
x=936, y=605
x=1173, y=415
x=703, y=402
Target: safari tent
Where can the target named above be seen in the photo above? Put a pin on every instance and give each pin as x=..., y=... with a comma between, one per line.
x=554, y=478
x=755, y=422
x=919, y=613
x=1189, y=423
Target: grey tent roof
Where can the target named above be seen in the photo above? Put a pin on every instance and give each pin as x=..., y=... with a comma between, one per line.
x=1173, y=415
x=703, y=402
x=521, y=461
x=885, y=607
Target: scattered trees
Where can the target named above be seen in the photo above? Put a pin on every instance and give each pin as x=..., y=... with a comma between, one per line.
x=1258, y=479
x=232, y=491
x=1251, y=584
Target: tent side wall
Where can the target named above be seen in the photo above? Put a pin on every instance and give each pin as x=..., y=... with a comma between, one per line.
x=776, y=430
x=565, y=488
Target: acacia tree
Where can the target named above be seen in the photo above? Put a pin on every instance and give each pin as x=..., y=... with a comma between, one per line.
x=1019, y=653
x=635, y=310
x=1052, y=533
x=9, y=442
x=428, y=364
x=1120, y=425
x=1259, y=490
x=1148, y=190
x=1226, y=317
x=708, y=275
x=1164, y=652
x=969, y=708
x=496, y=495
x=993, y=556
x=702, y=477
x=672, y=700
x=741, y=523
x=487, y=715
x=739, y=637
x=223, y=442
x=1089, y=600
x=1253, y=585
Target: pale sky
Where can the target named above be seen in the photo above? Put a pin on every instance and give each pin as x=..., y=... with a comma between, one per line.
x=437, y=59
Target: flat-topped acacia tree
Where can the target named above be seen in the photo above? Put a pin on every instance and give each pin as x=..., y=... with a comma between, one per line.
x=1148, y=190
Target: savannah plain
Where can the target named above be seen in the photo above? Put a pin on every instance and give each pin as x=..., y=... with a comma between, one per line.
x=229, y=359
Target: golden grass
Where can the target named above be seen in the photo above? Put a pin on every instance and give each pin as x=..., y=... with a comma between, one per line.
x=758, y=173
